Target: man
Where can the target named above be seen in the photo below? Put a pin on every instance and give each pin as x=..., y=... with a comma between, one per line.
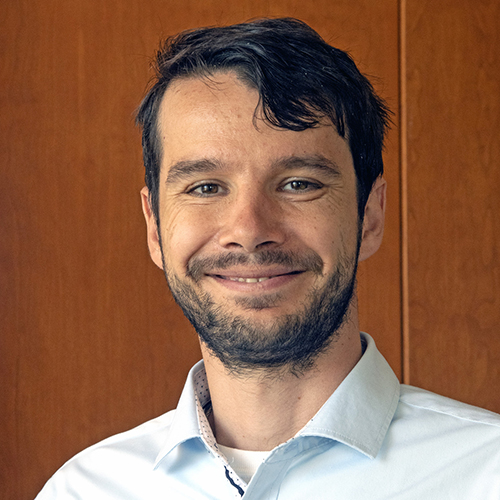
x=262, y=146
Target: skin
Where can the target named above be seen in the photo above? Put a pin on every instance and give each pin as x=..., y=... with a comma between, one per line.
x=233, y=184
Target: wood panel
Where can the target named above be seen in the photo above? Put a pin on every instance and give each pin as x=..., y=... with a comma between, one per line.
x=453, y=111
x=91, y=341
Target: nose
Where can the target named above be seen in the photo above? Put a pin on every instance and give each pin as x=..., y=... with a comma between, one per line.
x=252, y=221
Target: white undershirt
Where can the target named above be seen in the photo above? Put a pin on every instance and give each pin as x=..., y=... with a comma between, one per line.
x=243, y=462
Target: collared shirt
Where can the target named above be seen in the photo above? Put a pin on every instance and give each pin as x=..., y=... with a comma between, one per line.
x=372, y=439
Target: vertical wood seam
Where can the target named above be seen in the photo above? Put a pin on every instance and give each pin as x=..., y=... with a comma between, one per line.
x=403, y=151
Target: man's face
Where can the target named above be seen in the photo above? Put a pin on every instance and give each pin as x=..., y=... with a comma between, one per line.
x=258, y=226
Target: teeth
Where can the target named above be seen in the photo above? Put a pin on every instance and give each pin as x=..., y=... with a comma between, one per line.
x=250, y=280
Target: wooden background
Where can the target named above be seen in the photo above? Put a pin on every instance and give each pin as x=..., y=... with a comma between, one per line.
x=91, y=342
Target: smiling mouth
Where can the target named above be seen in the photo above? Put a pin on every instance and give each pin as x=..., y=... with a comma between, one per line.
x=248, y=280
x=241, y=279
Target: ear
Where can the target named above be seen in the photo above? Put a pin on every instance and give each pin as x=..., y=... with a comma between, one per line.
x=152, y=229
x=373, y=222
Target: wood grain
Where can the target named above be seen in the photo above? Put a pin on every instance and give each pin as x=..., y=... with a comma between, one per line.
x=453, y=101
x=91, y=342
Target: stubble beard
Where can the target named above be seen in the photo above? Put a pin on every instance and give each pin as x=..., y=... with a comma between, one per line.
x=292, y=343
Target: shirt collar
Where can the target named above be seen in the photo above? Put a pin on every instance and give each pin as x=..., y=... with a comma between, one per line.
x=357, y=414
x=190, y=421
x=360, y=410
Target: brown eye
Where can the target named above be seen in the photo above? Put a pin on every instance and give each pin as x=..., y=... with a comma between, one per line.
x=299, y=185
x=209, y=189
x=205, y=189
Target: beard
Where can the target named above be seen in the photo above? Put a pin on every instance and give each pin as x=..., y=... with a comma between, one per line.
x=289, y=344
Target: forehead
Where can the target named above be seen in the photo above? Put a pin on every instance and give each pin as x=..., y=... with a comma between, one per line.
x=221, y=118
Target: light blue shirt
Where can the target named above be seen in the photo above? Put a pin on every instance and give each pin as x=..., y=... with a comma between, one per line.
x=372, y=439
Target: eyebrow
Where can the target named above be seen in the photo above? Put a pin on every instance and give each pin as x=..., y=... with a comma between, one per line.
x=318, y=163
x=185, y=169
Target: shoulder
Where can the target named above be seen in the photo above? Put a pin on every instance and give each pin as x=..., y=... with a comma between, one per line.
x=437, y=447
x=119, y=459
x=432, y=405
x=150, y=435
x=439, y=423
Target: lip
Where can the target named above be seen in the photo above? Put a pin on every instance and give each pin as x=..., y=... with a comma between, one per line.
x=262, y=280
x=273, y=272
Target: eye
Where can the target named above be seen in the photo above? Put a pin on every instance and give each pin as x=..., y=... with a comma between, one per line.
x=300, y=185
x=205, y=189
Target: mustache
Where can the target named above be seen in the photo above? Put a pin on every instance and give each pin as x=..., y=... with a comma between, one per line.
x=200, y=266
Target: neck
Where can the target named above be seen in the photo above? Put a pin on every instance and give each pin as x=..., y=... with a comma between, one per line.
x=260, y=410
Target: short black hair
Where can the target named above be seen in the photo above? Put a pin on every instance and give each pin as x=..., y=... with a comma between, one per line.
x=300, y=79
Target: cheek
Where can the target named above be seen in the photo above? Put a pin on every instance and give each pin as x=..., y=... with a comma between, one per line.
x=332, y=234
x=185, y=231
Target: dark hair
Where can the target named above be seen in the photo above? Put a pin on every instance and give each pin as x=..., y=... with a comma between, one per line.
x=300, y=79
